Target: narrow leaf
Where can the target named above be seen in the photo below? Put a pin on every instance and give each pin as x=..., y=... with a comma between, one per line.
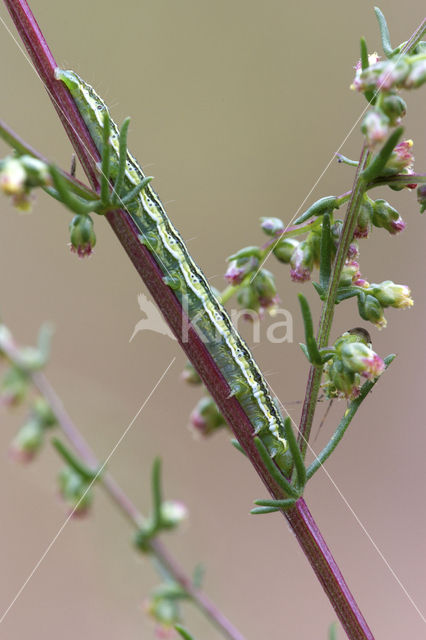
x=273, y=470
x=325, y=252
x=311, y=343
x=384, y=33
x=296, y=455
x=258, y=511
x=156, y=492
x=323, y=205
x=378, y=163
x=83, y=470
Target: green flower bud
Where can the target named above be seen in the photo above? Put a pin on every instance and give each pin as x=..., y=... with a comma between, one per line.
x=82, y=235
x=28, y=441
x=375, y=127
x=394, y=295
x=264, y=286
x=370, y=309
x=190, y=375
x=206, y=417
x=37, y=172
x=359, y=358
x=74, y=491
x=44, y=413
x=339, y=381
x=386, y=217
x=394, y=107
x=421, y=197
x=248, y=298
x=14, y=387
x=285, y=248
x=364, y=218
x=272, y=226
x=173, y=513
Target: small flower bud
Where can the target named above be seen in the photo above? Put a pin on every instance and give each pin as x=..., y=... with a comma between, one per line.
x=272, y=226
x=416, y=76
x=364, y=218
x=301, y=263
x=238, y=269
x=82, y=235
x=339, y=381
x=75, y=492
x=350, y=273
x=393, y=74
x=264, y=286
x=285, y=248
x=42, y=410
x=421, y=197
x=14, y=387
x=37, y=172
x=393, y=295
x=370, y=309
x=360, y=358
x=248, y=298
x=394, y=107
x=375, y=127
x=173, y=513
x=206, y=417
x=27, y=442
x=190, y=375
x=401, y=159
x=386, y=217
x=12, y=176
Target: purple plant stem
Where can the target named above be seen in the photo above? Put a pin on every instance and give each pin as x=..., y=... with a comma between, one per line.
x=298, y=517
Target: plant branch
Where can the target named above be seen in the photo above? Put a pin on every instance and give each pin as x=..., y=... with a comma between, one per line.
x=130, y=511
x=298, y=517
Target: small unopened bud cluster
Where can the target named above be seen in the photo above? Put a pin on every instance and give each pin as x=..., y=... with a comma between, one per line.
x=75, y=492
x=377, y=297
x=378, y=213
x=19, y=175
x=82, y=235
x=381, y=82
x=206, y=417
x=163, y=607
x=30, y=438
x=354, y=359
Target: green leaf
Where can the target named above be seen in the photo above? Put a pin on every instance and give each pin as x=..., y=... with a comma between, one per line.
x=133, y=193
x=296, y=455
x=384, y=33
x=183, y=632
x=259, y=511
x=86, y=473
x=237, y=445
x=273, y=469
x=379, y=161
x=63, y=194
x=320, y=291
x=369, y=94
x=106, y=160
x=276, y=504
x=321, y=206
x=311, y=343
x=325, y=254
x=246, y=252
x=157, y=498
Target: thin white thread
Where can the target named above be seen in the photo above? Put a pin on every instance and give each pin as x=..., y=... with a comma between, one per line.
x=362, y=526
x=52, y=97
x=98, y=473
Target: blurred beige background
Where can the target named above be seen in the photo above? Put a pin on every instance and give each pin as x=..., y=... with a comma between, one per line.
x=237, y=107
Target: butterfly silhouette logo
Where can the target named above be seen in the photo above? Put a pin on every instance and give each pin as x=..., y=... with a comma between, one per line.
x=153, y=320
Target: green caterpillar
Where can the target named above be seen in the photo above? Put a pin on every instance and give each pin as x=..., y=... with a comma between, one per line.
x=182, y=274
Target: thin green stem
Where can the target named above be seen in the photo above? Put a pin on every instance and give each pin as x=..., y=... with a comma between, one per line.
x=327, y=313
x=344, y=424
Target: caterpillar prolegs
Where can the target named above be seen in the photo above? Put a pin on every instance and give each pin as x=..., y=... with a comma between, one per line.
x=182, y=274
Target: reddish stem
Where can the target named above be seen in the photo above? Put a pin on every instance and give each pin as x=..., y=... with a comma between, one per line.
x=299, y=518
